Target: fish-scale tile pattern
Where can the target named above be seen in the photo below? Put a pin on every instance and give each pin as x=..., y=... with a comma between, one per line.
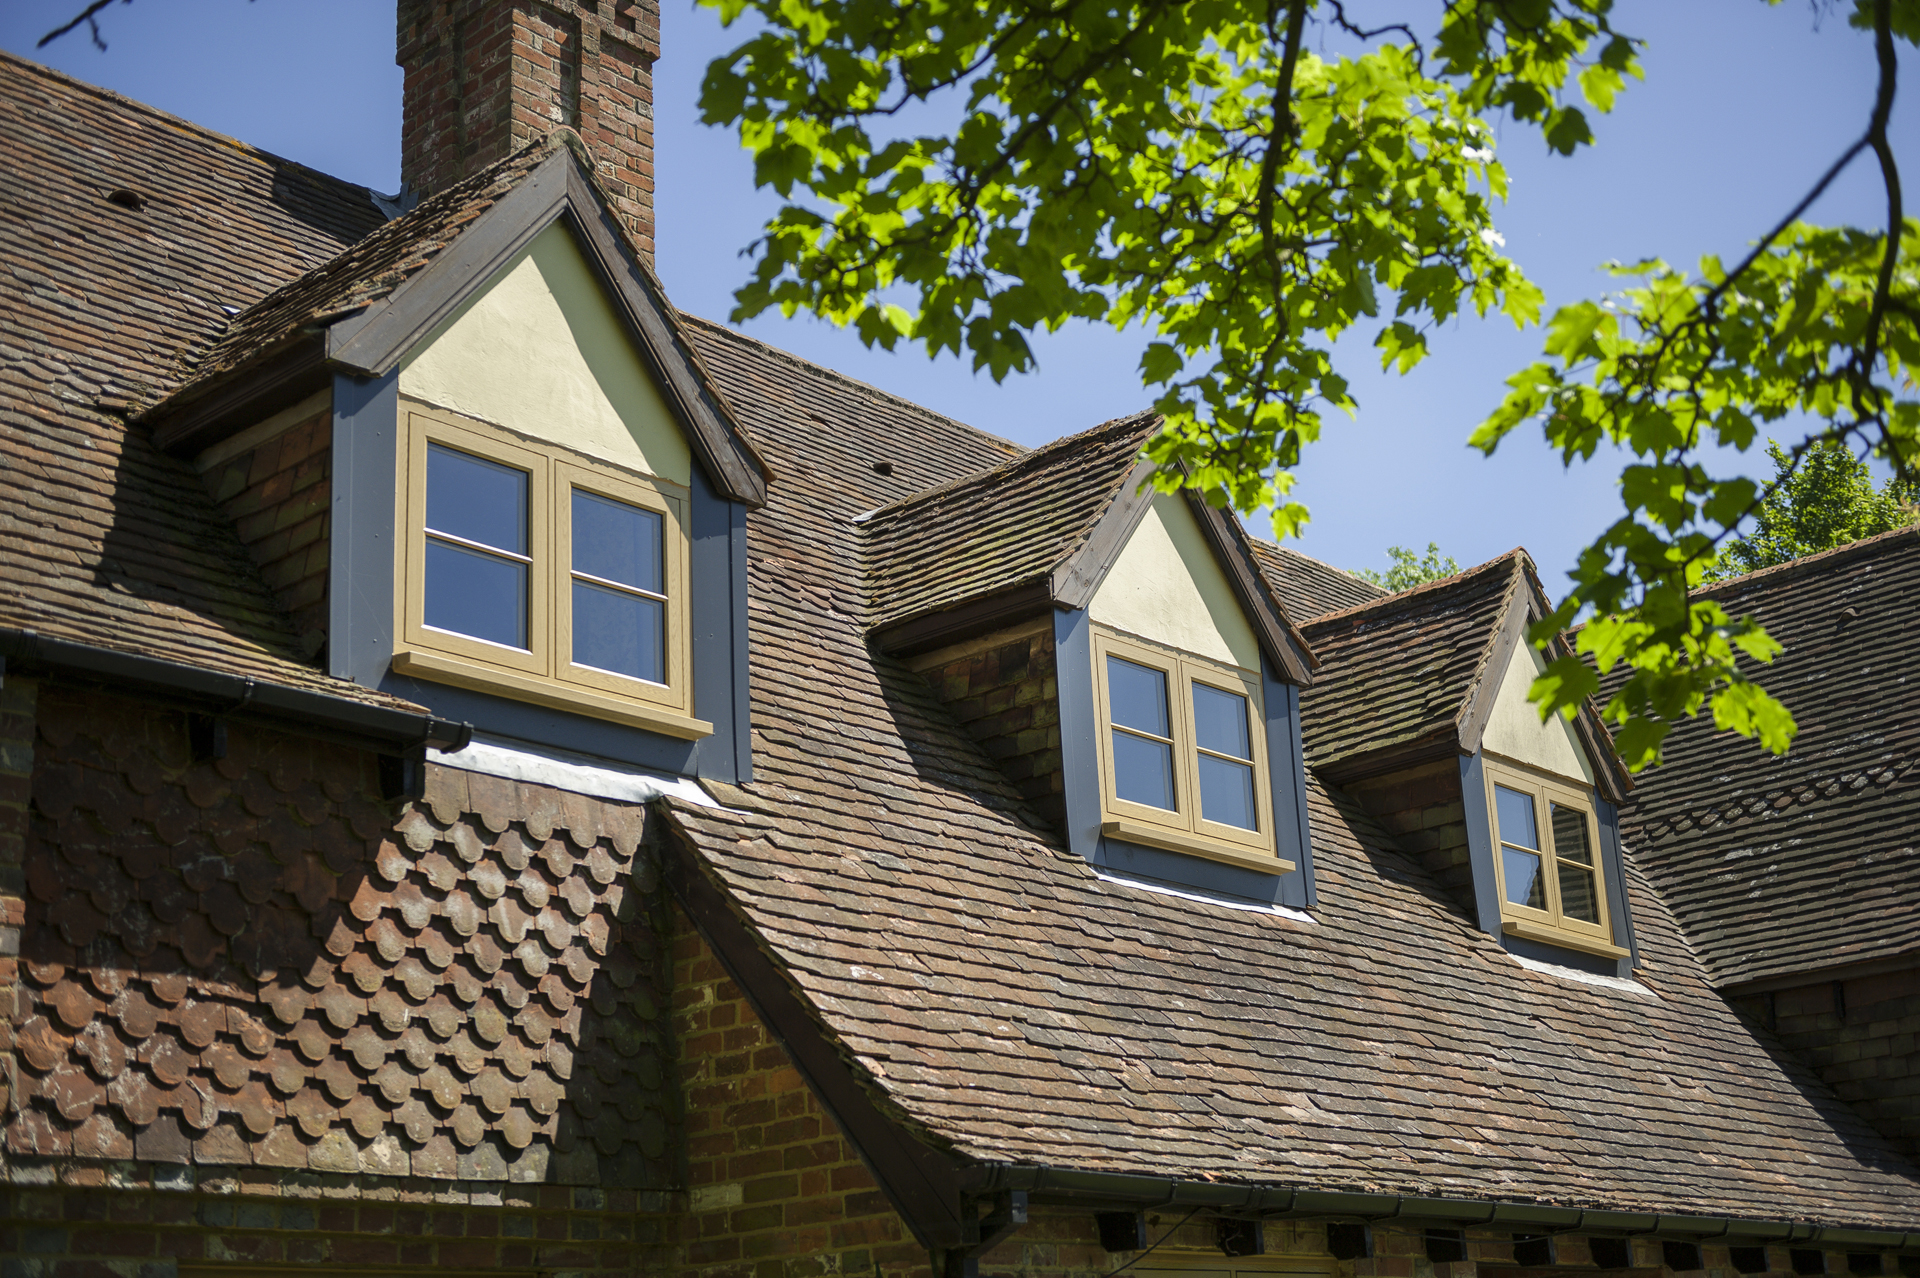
x=253, y=961
x=1792, y=863
x=1010, y=1005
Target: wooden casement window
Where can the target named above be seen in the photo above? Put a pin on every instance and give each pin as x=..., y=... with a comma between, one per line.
x=1552, y=877
x=537, y=574
x=1183, y=754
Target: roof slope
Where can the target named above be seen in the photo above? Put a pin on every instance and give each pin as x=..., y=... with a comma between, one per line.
x=1010, y=1005
x=103, y=540
x=1007, y=527
x=1811, y=860
x=370, y=269
x=1308, y=587
x=1397, y=673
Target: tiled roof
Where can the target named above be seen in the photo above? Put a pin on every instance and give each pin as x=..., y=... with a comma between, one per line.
x=1009, y=1005
x=1399, y=672
x=990, y=989
x=103, y=540
x=1309, y=588
x=371, y=269
x=466, y=975
x=1007, y=527
x=1777, y=865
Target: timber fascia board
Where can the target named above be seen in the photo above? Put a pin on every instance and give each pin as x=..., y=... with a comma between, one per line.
x=1285, y=646
x=373, y=342
x=1077, y=578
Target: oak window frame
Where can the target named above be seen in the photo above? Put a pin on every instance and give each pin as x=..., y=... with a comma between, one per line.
x=544, y=672
x=1185, y=829
x=1551, y=926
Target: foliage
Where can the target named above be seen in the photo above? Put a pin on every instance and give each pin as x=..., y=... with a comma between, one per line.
x=1409, y=569
x=960, y=175
x=1827, y=501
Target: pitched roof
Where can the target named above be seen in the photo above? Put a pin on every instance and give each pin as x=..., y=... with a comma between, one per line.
x=103, y=539
x=1007, y=1004
x=1398, y=674
x=988, y=988
x=1005, y=527
x=367, y=271
x=1310, y=588
x=1791, y=864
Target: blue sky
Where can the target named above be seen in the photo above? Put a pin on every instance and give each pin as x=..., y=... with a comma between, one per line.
x=1743, y=105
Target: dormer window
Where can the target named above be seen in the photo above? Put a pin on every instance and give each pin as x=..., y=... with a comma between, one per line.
x=542, y=575
x=1183, y=753
x=1552, y=885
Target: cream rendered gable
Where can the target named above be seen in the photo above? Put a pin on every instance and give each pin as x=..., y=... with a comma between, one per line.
x=1514, y=729
x=541, y=352
x=1167, y=587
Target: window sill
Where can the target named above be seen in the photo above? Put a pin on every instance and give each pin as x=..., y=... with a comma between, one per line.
x=1194, y=845
x=1565, y=940
x=436, y=668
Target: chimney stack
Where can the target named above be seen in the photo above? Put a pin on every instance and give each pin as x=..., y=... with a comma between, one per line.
x=487, y=77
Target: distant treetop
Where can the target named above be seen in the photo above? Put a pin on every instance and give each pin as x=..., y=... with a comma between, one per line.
x=1828, y=499
x=1409, y=569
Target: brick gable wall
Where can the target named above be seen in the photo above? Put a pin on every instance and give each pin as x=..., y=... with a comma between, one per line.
x=1007, y=697
x=278, y=493
x=1862, y=1036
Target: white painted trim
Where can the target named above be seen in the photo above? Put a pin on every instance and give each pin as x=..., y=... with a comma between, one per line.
x=563, y=770
x=1620, y=983
x=1297, y=916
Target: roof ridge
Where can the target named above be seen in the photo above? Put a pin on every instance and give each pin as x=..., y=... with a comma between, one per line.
x=1032, y=457
x=834, y=373
x=1425, y=587
x=1846, y=550
x=1301, y=554
x=146, y=108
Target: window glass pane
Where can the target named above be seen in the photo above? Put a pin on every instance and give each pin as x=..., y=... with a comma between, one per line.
x=1570, y=834
x=1220, y=722
x=1226, y=792
x=1138, y=696
x=473, y=593
x=1143, y=770
x=613, y=630
x=1578, y=900
x=1522, y=873
x=617, y=542
x=1514, y=812
x=476, y=500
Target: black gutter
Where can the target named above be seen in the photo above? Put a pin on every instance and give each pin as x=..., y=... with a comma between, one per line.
x=1115, y=1189
x=230, y=694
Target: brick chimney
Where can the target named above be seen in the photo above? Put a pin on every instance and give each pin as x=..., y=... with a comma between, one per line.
x=486, y=77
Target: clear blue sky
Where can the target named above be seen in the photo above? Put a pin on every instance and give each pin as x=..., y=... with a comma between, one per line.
x=1743, y=105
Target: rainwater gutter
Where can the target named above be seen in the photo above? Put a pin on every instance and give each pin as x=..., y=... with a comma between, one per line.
x=240, y=696
x=1115, y=1190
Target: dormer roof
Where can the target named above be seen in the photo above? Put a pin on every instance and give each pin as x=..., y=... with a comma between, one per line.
x=1040, y=531
x=363, y=311
x=1412, y=676
x=1310, y=588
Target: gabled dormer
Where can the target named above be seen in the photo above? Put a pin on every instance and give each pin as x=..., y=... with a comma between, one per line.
x=1118, y=653
x=484, y=467
x=1420, y=712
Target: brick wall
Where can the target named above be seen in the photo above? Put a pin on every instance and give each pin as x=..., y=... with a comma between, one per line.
x=1422, y=808
x=141, y=1220
x=486, y=77
x=774, y=1189
x=1007, y=698
x=1863, y=1037
x=278, y=494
